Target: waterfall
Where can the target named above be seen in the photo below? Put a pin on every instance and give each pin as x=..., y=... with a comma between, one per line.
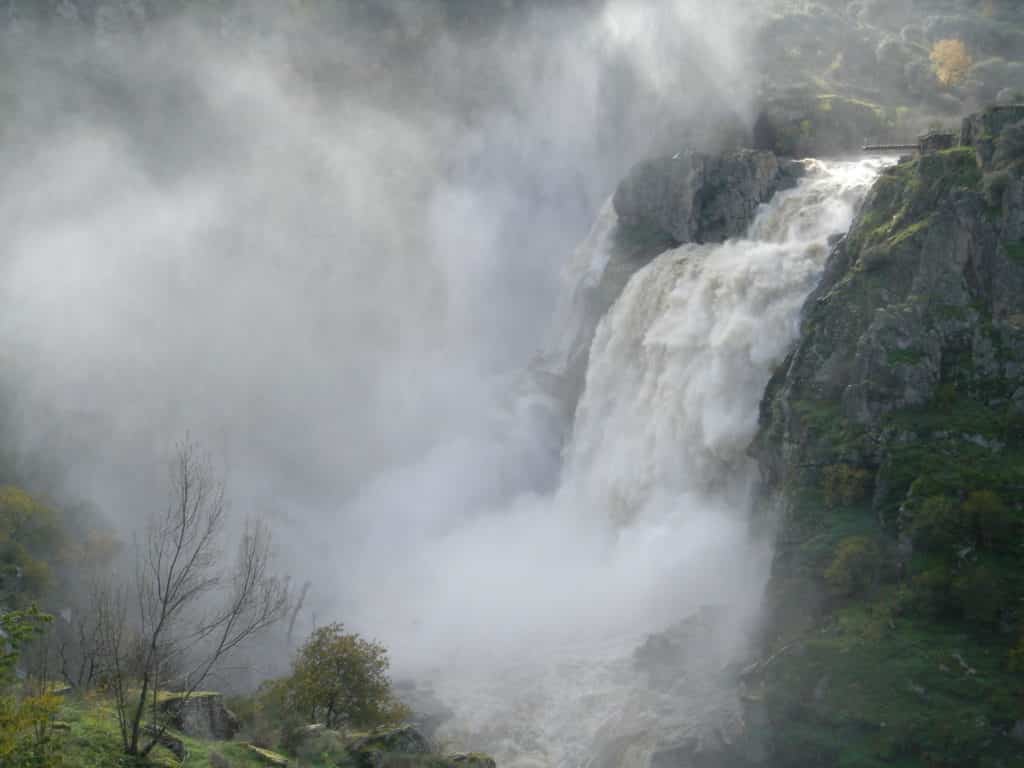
x=649, y=522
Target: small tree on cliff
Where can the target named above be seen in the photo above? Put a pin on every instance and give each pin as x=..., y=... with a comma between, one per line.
x=341, y=679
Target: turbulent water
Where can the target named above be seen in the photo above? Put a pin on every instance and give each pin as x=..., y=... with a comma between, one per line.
x=650, y=520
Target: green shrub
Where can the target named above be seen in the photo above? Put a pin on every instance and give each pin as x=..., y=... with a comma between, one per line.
x=843, y=484
x=931, y=591
x=30, y=538
x=994, y=524
x=1017, y=656
x=338, y=679
x=938, y=526
x=855, y=566
x=979, y=596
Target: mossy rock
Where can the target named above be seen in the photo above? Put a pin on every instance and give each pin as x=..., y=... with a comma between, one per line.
x=470, y=760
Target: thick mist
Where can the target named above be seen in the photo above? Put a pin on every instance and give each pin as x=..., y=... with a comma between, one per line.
x=324, y=244
x=326, y=241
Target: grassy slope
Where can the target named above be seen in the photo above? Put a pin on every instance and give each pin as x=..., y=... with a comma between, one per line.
x=93, y=741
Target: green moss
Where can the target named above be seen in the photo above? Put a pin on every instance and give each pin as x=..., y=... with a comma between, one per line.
x=826, y=421
x=1015, y=251
x=890, y=690
x=904, y=356
x=895, y=238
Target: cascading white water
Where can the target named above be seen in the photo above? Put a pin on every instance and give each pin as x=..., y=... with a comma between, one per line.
x=655, y=492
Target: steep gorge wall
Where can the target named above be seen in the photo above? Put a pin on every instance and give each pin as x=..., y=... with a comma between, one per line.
x=892, y=451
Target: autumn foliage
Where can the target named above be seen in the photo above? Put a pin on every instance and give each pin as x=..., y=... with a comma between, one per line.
x=950, y=61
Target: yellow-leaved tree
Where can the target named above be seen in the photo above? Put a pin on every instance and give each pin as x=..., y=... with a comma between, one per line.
x=26, y=738
x=950, y=61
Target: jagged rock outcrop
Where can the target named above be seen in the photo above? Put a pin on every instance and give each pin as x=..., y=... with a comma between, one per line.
x=890, y=448
x=693, y=197
x=201, y=715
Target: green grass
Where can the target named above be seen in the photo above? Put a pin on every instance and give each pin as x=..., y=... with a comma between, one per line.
x=94, y=741
x=1015, y=251
x=874, y=687
x=904, y=356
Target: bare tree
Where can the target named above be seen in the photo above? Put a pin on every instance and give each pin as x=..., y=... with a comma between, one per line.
x=191, y=611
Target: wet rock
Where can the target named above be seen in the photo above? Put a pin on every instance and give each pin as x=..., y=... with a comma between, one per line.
x=379, y=748
x=469, y=760
x=202, y=715
x=693, y=197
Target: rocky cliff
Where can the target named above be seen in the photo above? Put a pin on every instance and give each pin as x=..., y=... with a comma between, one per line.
x=892, y=452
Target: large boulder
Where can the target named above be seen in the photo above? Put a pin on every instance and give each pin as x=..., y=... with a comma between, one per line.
x=388, y=747
x=201, y=715
x=693, y=197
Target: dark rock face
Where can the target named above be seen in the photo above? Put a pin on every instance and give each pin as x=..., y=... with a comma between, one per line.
x=890, y=449
x=201, y=715
x=692, y=197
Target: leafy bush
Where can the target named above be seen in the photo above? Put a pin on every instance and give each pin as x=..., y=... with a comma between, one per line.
x=931, y=591
x=979, y=595
x=844, y=484
x=339, y=678
x=995, y=526
x=1017, y=656
x=855, y=566
x=25, y=734
x=938, y=526
x=30, y=536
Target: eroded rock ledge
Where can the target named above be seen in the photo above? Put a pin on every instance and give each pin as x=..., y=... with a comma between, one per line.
x=694, y=197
